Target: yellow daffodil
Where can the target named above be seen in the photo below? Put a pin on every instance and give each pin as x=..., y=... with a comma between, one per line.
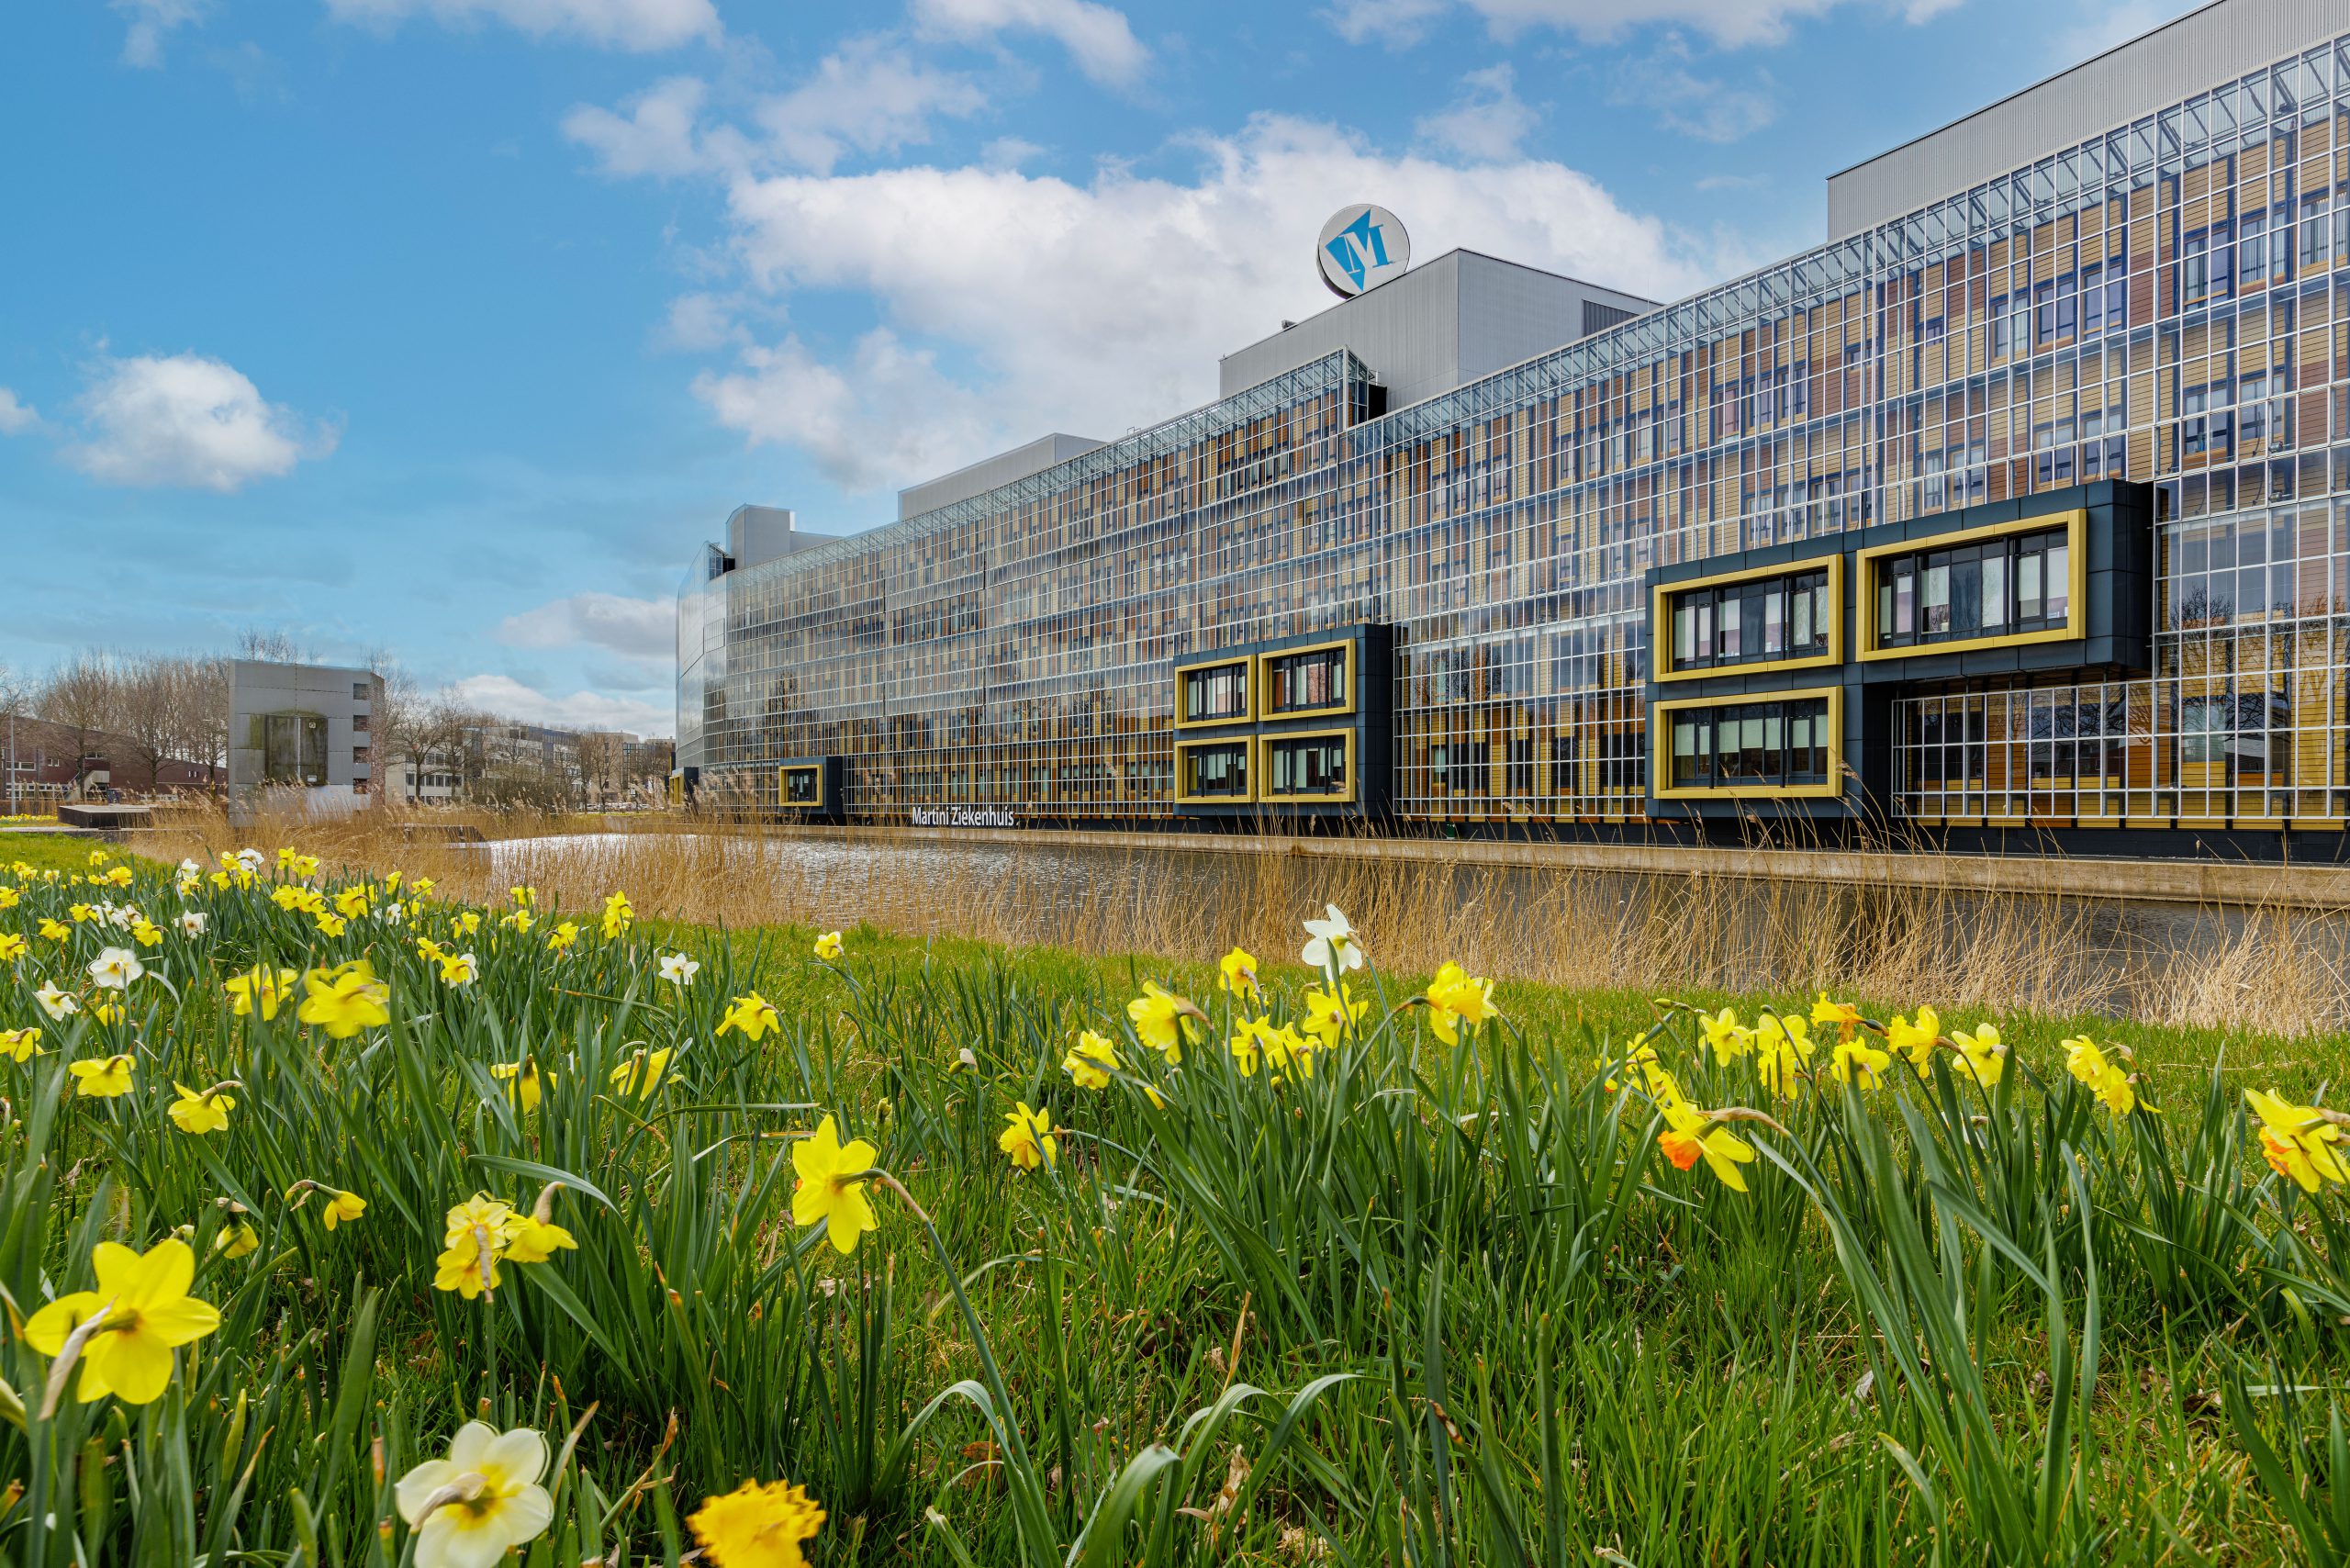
x=827, y=1189
x=468, y=922
x=330, y=923
x=561, y=938
x=197, y=1111
x=1236, y=974
x=12, y=946
x=472, y=1508
x=345, y=999
x=20, y=1045
x=1691, y=1134
x=146, y=932
x=429, y=950
x=101, y=1078
x=1287, y=1053
x=517, y=920
x=2108, y=1082
x=828, y=947
x=640, y=1075
x=1642, y=1060
x=148, y=1314
x=458, y=968
x=259, y=990
x=1857, y=1060
x=522, y=1082
x=754, y=1015
x=54, y=930
x=1456, y=997
x=1915, y=1042
x=1245, y=1046
x=1029, y=1139
x=341, y=1208
x=1090, y=1062
x=117, y=877
x=523, y=897
x=1981, y=1053
x=2298, y=1142
x=353, y=901
x=108, y=1011
x=618, y=917
x=1727, y=1037
x=1840, y=1016
x=237, y=1240
x=757, y=1526
x=529, y=1240
x=1329, y=1016
x=1783, y=1048
x=1163, y=1021
x=474, y=1237
x=9, y=896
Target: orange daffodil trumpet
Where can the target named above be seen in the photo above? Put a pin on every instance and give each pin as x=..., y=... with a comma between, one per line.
x=2301, y=1143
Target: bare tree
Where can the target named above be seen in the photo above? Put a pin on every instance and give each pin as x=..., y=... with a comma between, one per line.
x=146, y=719
x=399, y=723
x=275, y=644
x=80, y=696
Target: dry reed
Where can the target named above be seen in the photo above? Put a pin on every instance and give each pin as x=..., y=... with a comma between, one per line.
x=1571, y=927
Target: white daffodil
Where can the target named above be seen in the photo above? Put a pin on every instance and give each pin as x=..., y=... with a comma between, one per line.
x=190, y=868
x=470, y=1508
x=55, y=1002
x=192, y=922
x=116, y=968
x=252, y=860
x=678, y=969
x=1334, y=943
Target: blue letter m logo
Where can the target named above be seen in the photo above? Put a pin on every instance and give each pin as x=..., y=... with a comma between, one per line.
x=1348, y=245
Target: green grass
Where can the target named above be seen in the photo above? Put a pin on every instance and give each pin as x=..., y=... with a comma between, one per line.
x=51, y=851
x=1424, y=1304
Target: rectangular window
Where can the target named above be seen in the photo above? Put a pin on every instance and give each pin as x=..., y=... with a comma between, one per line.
x=1213, y=694
x=1307, y=765
x=1215, y=770
x=1758, y=620
x=1305, y=682
x=1749, y=745
x=294, y=749
x=2019, y=583
x=801, y=786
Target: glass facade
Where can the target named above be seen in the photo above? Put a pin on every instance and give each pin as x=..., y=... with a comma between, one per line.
x=2168, y=303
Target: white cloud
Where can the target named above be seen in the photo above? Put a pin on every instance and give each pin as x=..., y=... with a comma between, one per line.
x=1703, y=108
x=655, y=137
x=697, y=323
x=1013, y=304
x=615, y=23
x=142, y=45
x=639, y=628
x=1487, y=123
x=883, y=420
x=189, y=421
x=1395, y=23
x=508, y=698
x=1726, y=22
x=1096, y=37
x=869, y=97
x=16, y=417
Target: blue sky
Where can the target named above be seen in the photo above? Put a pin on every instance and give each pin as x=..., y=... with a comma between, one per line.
x=452, y=327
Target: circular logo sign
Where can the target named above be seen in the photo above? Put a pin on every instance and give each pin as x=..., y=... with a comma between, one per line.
x=1362, y=247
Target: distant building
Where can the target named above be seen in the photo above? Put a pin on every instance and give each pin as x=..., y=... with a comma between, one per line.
x=306, y=728
x=55, y=762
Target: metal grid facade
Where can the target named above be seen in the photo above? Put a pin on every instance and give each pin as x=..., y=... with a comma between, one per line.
x=2168, y=303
